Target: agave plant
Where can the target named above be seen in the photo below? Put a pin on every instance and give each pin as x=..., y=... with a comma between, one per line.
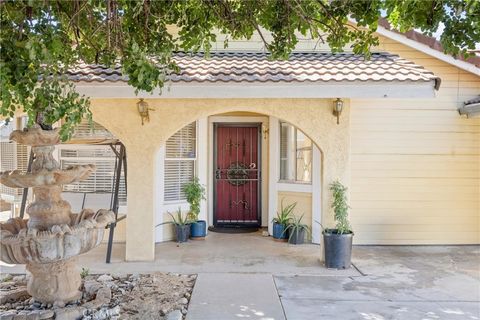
x=178, y=219
x=285, y=214
x=296, y=226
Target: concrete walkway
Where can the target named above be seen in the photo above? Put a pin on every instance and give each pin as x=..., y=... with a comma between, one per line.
x=399, y=283
x=233, y=296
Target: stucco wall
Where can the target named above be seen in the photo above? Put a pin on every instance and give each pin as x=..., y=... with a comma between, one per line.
x=416, y=163
x=312, y=116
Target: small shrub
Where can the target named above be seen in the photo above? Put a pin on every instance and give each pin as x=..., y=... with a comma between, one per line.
x=340, y=207
x=195, y=193
x=84, y=273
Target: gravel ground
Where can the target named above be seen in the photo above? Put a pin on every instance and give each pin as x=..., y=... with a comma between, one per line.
x=149, y=296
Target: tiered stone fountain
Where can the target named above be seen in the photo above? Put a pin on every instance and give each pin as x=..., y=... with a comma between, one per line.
x=49, y=242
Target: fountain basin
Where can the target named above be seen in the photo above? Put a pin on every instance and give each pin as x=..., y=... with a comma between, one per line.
x=35, y=136
x=44, y=177
x=23, y=245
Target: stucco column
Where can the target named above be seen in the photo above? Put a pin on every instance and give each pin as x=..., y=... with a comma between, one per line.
x=140, y=226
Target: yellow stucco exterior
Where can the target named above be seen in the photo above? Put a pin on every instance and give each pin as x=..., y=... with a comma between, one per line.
x=312, y=116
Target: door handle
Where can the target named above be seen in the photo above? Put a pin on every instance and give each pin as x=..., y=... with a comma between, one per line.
x=218, y=174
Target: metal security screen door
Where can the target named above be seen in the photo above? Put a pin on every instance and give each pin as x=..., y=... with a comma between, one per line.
x=237, y=177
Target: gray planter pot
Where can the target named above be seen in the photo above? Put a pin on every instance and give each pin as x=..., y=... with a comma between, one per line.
x=297, y=237
x=182, y=232
x=338, y=249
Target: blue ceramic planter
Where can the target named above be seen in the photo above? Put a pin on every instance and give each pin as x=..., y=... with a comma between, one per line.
x=279, y=232
x=198, y=229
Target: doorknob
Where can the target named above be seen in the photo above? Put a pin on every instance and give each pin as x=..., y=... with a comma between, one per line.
x=218, y=174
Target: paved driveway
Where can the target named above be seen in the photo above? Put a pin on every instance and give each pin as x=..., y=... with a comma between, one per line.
x=398, y=283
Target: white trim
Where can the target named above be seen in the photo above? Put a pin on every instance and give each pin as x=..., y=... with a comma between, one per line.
x=273, y=169
x=202, y=163
x=427, y=50
x=238, y=119
x=275, y=186
x=229, y=90
x=294, y=187
x=317, y=172
x=265, y=162
x=159, y=192
x=160, y=205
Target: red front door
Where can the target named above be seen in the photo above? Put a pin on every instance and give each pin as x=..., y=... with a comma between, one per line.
x=237, y=174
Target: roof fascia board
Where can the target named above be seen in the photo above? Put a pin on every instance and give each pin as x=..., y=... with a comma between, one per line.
x=427, y=50
x=362, y=90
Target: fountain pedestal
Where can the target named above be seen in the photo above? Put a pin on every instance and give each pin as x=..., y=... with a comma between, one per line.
x=49, y=242
x=52, y=280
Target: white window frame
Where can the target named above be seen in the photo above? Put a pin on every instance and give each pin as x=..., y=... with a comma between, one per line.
x=195, y=169
x=295, y=181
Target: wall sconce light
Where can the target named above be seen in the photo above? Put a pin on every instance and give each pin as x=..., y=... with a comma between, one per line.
x=337, y=108
x=143, y=108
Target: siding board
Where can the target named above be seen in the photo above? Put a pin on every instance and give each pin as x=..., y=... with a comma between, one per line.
x=416, y=163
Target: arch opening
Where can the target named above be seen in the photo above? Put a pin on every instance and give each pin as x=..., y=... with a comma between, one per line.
x=276, y=183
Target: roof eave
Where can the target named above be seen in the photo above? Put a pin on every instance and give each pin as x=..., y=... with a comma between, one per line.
x=271, y=90
x=427, y=50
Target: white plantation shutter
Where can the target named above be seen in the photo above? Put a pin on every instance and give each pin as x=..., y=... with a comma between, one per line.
x=13, y=156
x=94, y=131
x=101, y=181
x=180, y=157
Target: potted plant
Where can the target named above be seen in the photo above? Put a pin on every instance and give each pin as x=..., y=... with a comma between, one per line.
x=195, y=193
x=297, y=230
x=338, y=241
x=281, y=221
x=181, y=224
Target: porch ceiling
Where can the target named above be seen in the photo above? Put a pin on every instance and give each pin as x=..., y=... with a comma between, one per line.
x=309, y=71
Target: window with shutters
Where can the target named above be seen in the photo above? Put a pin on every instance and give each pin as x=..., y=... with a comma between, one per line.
x=295, y=155
x=101, y=180
x=180, y=162
x=102, y=156
x=13, y=156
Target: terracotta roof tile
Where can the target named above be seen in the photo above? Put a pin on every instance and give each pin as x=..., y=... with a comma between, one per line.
x=257, y=67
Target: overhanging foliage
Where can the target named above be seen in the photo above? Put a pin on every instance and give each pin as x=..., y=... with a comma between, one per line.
x=40, y=39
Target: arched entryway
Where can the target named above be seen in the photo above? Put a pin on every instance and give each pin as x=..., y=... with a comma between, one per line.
x=312, y=116
x=280, y=164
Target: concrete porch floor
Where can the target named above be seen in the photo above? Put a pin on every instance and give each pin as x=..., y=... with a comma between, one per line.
x=219, y=252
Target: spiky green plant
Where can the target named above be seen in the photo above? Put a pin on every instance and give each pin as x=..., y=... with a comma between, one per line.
x=180, y=219
x=295, y=226
x=284, y=215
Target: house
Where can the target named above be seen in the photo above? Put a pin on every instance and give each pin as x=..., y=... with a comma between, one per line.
x=258, y=132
